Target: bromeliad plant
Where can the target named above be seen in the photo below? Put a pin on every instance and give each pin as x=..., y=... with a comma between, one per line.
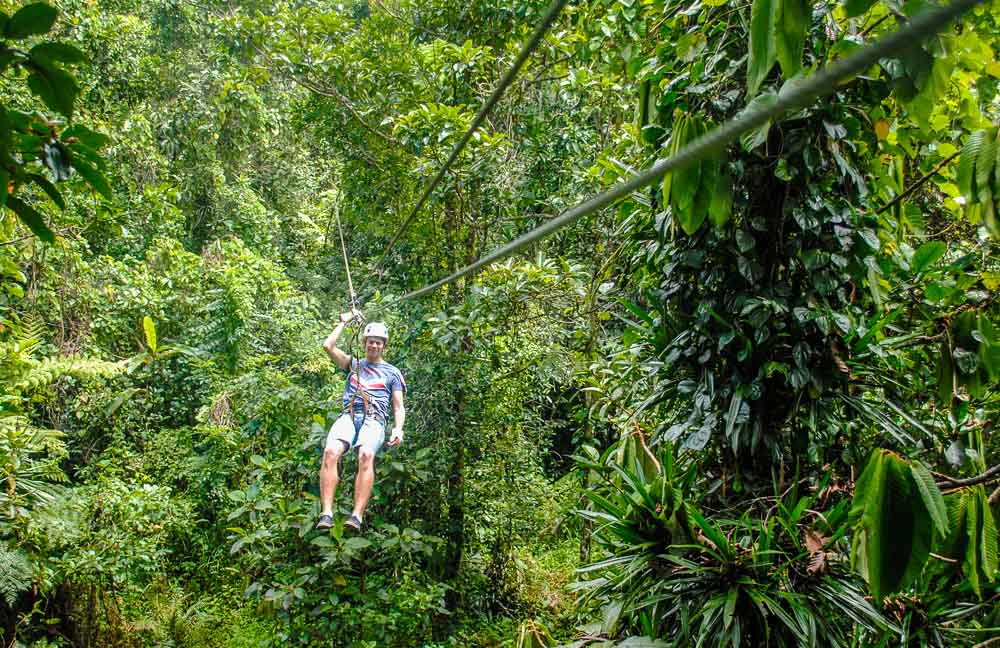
x=770, y=571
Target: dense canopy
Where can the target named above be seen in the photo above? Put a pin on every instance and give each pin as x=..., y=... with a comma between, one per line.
x=751, y=401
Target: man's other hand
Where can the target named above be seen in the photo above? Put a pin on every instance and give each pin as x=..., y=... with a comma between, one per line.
x=396, y=438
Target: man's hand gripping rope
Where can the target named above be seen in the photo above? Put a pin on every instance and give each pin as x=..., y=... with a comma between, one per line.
x=353, y=315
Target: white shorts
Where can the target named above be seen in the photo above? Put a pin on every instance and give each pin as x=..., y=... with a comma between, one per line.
x=357, y=431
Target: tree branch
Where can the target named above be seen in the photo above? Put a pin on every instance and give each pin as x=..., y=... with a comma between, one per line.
x=916, y=185
x=989, y=475
x=17, y=240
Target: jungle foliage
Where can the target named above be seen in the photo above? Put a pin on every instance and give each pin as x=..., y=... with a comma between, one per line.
x=752, y=404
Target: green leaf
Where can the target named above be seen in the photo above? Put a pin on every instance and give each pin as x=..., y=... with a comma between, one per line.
x=685, y=185
x=731, y=598
x=965, y=176
x=48, y=188
x=30, y=20
x=908, y=541
x=78, y=150
x=996, y=172
x=857, y=7
x=793, y=20
x=52, y=52
x=642, y=110
x=989, y=349
x=4, y=181
x=7, y=56
x=928, y=254
x=93, y=177
x=642, y=642
x=357, y=543
x=893, y=537
x=984, y=166
x=945, y=375
x=763, y=52
x=149, y=328
x=754, y=138
x=31, y=218
x=988, y=541
x=931, y=496
x=711, y=532
x=90, y=139
x=675, y=145
x=971, y=564
x=721, y=206
x=54, y=86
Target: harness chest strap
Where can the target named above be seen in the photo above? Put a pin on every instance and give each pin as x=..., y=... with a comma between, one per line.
x=365, y=397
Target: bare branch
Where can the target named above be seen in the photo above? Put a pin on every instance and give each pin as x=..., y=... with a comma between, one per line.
x=916, y=185
x=989, y=475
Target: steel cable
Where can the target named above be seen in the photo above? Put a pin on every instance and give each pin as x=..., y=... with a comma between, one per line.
x=794, y=95
x=536, y=37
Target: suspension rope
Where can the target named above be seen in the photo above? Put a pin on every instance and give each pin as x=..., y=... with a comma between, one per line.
x=796, y=95
x=347, y=263
x=550, y=15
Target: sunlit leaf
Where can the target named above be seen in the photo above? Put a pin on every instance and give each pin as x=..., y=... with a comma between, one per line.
x=149, y=328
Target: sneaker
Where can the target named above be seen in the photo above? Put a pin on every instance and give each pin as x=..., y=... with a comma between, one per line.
x=353, y=522
x=325, y=521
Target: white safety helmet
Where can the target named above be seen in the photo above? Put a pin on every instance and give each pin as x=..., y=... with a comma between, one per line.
x=377, y=329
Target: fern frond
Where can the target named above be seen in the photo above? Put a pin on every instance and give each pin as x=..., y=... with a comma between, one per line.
x=29, y=333
x=49, y=370
x=15, y=574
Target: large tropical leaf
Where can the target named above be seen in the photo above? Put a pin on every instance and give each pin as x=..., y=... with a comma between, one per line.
x=763, y=50
x=31, y=218
x=931, y=495
x=984, y=166
x=966, y=175
x=894, y=533
x=792, y=25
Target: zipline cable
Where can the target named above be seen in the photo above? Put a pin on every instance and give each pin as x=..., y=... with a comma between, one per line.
x=550, y=15
x=797, y=95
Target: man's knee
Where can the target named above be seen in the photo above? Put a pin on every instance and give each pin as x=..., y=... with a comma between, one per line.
x=366, y=458
x=332, y=455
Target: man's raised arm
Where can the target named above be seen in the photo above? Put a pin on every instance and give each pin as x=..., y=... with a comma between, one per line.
x=330, y=344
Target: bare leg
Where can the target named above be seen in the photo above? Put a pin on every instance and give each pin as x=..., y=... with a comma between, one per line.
x=328, y=476
x=364, y=481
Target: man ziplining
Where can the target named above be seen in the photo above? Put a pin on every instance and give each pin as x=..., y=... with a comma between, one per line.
x=371, y=384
